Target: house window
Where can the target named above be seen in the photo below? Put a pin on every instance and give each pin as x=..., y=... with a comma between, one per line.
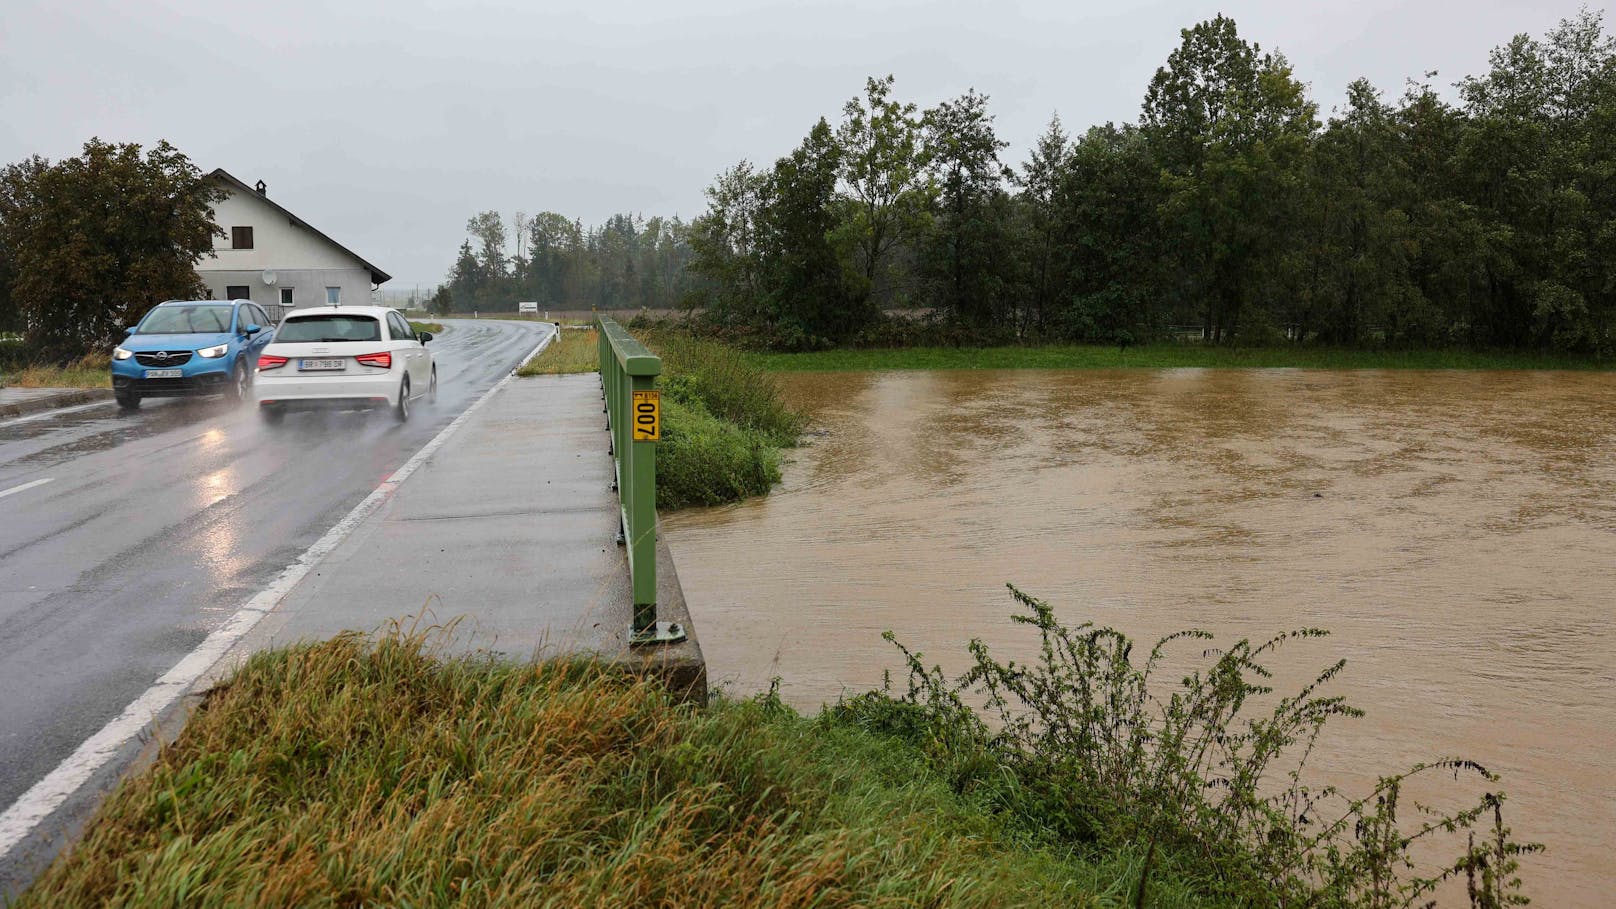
x=333, y=295
x=286, y=296
x=238, y=292
x=241, y=238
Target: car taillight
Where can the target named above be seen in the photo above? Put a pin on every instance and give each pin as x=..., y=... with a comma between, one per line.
x=267, y=361
x=384, y=360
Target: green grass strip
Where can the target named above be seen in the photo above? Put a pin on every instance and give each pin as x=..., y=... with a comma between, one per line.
x=1162, y=356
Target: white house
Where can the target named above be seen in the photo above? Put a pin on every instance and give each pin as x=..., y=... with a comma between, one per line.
x=278, y=260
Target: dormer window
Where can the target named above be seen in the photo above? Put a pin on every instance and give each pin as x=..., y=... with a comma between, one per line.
x=241, y=238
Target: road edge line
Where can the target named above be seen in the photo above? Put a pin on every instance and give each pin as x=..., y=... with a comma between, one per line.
x=42, y=799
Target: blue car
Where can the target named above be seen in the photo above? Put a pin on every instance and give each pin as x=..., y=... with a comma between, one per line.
x=190, y=347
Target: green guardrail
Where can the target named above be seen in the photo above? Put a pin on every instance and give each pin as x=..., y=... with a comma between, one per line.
x=628, y=374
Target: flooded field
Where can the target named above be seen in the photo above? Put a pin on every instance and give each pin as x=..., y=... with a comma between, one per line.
x=1455, y=530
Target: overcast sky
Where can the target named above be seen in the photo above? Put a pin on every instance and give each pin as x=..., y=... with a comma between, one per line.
x=388, y=123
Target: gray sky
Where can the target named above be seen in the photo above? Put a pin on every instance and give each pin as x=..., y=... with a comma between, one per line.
x=387, y=123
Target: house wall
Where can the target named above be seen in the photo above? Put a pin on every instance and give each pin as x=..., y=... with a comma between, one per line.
x=300, y=259
x=308, y=285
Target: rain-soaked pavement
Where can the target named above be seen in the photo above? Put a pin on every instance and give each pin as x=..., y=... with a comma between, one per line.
x=126, y=539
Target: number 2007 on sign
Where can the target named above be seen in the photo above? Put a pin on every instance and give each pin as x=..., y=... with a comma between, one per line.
x=647, y=420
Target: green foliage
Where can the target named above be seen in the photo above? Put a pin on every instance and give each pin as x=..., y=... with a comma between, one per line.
x=90, y=243
x=723, y=423
x=626, y=263
x=726, y=383
x=1227, y=211
x=441, y=303
x=703, y=460
x=347, y=774
x=1090, y=747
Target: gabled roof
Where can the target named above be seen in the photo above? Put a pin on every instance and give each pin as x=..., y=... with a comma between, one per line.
x=377, y=276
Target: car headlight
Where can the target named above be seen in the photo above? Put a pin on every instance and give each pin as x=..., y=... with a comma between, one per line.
x=213, y=352
x=118, y=353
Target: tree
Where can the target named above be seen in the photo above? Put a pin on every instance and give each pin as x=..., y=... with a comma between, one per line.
x=467, y=279
x=488, y=229
x=966, y=254
x=1229, y=126
x=1040, y=180
x=441, y=303
x=804, y=281
x=1107, y=210
x=1356, y=265
x=96, y=240
x=881, y=146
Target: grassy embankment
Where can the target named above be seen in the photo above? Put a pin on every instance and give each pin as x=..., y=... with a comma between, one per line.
x=1162, y=356
x=344, y=773
x=338, y=775
x=434, y=327
x=723, y=421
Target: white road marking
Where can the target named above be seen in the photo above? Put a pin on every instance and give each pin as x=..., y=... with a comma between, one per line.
x=57, y=786
x=17, y=489
x=57, y=412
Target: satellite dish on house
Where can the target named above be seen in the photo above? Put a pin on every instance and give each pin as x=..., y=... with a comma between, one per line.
x=269, y=276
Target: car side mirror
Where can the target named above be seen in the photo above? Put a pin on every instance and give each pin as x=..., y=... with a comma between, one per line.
x=130, y=330
x=254, y=329
x=425, y=336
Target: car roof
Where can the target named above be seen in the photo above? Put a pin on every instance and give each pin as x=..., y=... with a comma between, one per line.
x=340, y=310
x=202, y=302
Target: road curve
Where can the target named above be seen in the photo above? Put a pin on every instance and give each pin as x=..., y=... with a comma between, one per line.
x=126, y=538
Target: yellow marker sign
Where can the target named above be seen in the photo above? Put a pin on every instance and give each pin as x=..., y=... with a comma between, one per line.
x=648, y=416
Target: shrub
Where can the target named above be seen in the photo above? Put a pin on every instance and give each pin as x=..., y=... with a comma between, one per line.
x=1084, y=747
x=703, y=460
x=722, y=380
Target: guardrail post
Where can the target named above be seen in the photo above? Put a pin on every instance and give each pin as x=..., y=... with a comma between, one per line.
x=628, y=374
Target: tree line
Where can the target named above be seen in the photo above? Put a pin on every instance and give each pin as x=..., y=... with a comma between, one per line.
x=627, y=262
x=1227, y=212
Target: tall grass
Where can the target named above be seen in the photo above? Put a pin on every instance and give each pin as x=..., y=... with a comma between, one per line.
x=571, y=352
x=90, y=371
x=1090, y=746
x=723, y=419
x=348, y=774
x=727, y=383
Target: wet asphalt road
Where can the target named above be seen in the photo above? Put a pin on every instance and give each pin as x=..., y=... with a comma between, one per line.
x=155, y=526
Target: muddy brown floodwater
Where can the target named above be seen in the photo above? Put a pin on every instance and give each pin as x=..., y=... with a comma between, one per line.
x=1456, y=531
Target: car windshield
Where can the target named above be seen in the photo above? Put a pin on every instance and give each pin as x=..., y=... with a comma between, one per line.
x=187, y=319
x=330, y=327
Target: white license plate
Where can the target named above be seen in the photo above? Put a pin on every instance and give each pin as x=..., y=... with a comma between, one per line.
x=321, y=364
x=164, y=373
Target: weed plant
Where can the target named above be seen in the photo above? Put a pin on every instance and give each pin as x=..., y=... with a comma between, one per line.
x=1090, y=748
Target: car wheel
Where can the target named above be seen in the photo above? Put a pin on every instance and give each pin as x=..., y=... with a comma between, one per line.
x=271, y=415
x=403, y=409
x=239, y=385
x=127, y=400
x=432, y=390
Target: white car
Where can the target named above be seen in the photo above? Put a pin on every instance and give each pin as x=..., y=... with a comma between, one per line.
x=344, y=357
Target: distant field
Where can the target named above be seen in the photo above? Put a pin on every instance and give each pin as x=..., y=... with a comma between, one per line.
x=1162, y=356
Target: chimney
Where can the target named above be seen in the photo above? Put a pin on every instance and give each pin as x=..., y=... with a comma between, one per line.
x=262, y=189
